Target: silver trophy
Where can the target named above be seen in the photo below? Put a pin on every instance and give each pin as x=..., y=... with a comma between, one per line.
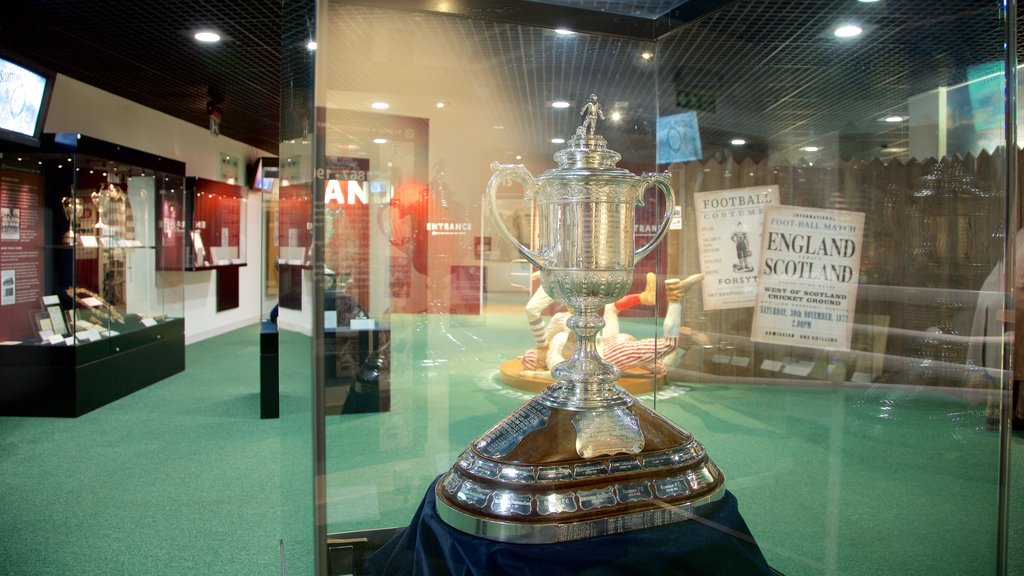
x=73, y=210
x=583, y=458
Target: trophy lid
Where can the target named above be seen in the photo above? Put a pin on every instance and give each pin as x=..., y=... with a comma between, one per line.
x=587, y=150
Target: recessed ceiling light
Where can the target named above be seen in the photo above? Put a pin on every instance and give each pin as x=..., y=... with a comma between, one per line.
x=811, y=148
x=737, y=142
x=380, y=105
x=564, y=31
x=311, y=45
x=894, y=119
x=380, y=140
x=440, y=104
x=559, y=104
x=867, y=1
x=847, y=31
x=646, y=55
x=558, y=140
x=207, y=36
x=616, y=116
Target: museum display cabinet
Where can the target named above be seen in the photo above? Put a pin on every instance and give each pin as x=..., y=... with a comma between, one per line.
x=214, y=234
x=821, y=304
x=293, y=236
x=92, y=263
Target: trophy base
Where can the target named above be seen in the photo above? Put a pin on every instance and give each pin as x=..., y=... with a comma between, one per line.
x=549, y=474
x=551, y=533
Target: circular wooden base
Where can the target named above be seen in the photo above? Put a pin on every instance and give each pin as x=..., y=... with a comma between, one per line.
x=635, y=380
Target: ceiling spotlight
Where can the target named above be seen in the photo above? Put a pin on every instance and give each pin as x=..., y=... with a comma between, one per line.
x=380, y=105
x=646, y=55
x=564, y=31
x=559, y=104
x=847, y=31
x=616, y=116
x=558, y=140
x=311, y=45
x=737, y=142
x=894, y=119
x=207, y=36
x=867, y=1
x=380, y=140
x=440, y=104
x=811, y=148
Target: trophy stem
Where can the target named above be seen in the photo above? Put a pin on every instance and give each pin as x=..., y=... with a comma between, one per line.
x=585, y=381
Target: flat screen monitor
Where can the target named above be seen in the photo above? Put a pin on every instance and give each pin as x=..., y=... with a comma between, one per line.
x=25, y=91
x=263, y=173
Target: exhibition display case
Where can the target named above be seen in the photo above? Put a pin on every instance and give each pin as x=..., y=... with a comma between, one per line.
x=214, y=224
x=825, y=317
x=214, y=234
x=92, y=260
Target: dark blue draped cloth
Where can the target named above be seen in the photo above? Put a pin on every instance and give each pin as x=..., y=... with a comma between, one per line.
x=717, y=544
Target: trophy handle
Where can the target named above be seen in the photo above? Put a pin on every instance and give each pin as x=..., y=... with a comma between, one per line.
x=660, y=181
x=504, y=173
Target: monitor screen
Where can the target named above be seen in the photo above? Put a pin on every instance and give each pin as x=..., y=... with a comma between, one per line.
x=24, y=96
x=263, y=173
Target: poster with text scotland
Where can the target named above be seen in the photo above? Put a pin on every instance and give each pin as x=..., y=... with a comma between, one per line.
x=810, y=267
x=729, y=238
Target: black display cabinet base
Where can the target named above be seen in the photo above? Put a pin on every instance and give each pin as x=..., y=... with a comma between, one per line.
x=270, y=378
x=68, y=381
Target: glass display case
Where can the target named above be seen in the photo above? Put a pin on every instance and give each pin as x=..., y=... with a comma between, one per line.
x=827, y=312
x=215, y=233
x=294, y=238
x=92, y=256
x=215, y=224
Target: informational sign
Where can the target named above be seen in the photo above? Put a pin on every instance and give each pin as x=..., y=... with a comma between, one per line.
x=729, y=228
x=466, y=287
x=21, y=241
x=810, y=268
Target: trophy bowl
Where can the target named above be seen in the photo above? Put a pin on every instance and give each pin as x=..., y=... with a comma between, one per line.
x=583, y=458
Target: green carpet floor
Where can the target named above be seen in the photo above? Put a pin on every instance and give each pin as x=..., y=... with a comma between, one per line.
x=181, y=477
x=184, y=478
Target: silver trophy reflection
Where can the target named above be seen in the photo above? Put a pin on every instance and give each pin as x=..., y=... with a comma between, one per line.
x=73, y=210
x=102, y=199
x=583, y=458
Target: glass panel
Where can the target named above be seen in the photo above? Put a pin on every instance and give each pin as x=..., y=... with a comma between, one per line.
x=410, y=138
x=833, y=281
x=868, y=354
x=269, y=187
x=290, y=335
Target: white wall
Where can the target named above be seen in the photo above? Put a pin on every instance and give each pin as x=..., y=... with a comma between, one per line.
x=78, y=107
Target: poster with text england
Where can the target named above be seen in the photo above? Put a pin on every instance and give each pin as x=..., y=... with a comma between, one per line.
x=729, y=230
x=810, y=267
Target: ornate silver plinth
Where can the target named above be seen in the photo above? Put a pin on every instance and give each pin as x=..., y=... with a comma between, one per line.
x=583, y=458
x=525, y=479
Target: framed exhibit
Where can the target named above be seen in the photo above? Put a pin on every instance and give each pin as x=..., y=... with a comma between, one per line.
x=88, y=267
